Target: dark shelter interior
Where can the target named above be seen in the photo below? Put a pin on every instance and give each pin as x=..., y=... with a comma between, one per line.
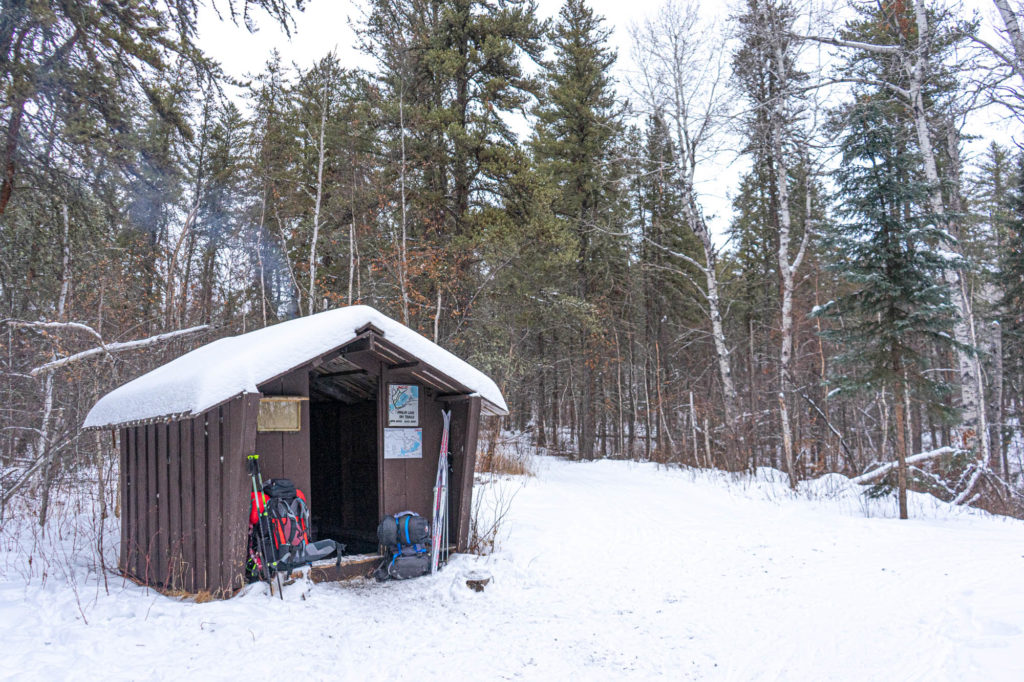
x=343, y=453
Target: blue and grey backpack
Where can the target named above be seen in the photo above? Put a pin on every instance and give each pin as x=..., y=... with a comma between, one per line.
x=406, y=536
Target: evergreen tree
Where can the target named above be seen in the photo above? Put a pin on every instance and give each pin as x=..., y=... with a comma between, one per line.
x=893, y=263
x=272, y=155
x=450, y=72
x=578, y=131
x=1012, y=282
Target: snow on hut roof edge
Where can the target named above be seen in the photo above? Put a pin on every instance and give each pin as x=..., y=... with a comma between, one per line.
x=218, y=371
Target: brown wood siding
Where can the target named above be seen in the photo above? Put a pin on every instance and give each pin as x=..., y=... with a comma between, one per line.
x=188, y=511
x=164, y=566
x=141, y=535
x=130, y=502
x=199, y=499
x=409, y=483
x=243, y=413
x=185, y=499
x=122, y=560
x=213, y=499
x=286, y=454
x=151, y=539
x=174, y=502
x=465, y=428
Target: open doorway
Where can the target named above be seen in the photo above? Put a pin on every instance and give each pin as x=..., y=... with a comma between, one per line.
x=344, y=491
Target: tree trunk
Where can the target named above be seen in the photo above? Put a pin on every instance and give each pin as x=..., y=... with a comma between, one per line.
x=403, y=262
x=321, y=156
x=998, y=462
x=788, y=265
x=901, y=442
x=1013, y=33
x=971, y=382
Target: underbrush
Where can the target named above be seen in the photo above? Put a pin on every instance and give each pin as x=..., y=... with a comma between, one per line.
x=493, y=496
x=507, y=454
x=501, y=471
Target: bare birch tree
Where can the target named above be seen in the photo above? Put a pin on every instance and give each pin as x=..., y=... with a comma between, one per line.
x=682, y=73
x=1014, y=36
x=326, y=106
x=766, y=62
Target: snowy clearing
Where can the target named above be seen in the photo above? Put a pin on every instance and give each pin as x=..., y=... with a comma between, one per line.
x=606, y=570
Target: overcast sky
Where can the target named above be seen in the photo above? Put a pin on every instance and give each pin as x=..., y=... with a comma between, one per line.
x=327, y=25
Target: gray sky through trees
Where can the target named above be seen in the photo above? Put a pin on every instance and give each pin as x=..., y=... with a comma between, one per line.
x=327, y=25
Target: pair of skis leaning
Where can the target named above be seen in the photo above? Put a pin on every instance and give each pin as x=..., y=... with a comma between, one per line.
x=439, y=524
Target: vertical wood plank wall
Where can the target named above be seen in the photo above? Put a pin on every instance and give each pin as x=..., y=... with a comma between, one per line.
x=409, y=483
x=125, y=512
x=185, y=499
x=286, y=454
x=464, y=431
x=185, y=485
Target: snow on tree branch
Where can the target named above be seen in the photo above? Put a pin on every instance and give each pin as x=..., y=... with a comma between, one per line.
x=116, y=348
x=913, y=459
x=839, y=42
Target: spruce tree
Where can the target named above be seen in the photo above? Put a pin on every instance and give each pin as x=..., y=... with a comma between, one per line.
x=892, y=260
x=1011, y=279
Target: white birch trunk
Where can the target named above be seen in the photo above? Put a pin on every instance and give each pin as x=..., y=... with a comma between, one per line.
x=787, y=268
x=998, y=454
x=352, y=242
x=321, y=155
x=971, y=380
x=259, y=256
x=711, y=294
x=437, y=317
x=718, y=331
x=1013, y=33
x=674, y=43
x=65, y=272
x=44, y=449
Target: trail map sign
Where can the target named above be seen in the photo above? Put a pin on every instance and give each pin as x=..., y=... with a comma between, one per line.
x=403, y=443
x=403, y=405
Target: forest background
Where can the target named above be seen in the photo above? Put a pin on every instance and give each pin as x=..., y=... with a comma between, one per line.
x=488, y=177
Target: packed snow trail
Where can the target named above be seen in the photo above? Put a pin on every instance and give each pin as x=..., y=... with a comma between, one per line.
x=609, y=570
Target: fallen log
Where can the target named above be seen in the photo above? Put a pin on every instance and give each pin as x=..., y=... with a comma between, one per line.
x=913, y=459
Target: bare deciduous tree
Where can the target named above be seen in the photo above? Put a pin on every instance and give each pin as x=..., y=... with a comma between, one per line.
x=682, y=73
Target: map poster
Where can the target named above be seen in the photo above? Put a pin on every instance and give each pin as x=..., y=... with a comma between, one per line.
x=403, y=405
x=403, y=443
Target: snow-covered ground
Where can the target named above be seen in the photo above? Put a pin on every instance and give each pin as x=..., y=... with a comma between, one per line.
x=606, y=570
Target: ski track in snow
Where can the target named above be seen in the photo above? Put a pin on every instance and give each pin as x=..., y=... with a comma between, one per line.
x=610, y=570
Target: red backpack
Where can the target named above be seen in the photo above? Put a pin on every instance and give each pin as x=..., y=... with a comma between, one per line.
x=285, y=516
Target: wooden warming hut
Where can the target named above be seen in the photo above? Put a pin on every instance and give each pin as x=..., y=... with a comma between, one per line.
x=315, y=398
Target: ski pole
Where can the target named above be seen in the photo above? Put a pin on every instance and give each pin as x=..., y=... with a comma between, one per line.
x=261, y=525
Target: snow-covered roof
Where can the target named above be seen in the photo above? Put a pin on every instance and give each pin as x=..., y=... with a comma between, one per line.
x=223, y=369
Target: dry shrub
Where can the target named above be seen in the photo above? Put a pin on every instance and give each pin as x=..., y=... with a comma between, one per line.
x=500, y=463
x=506, y=455
x=203, y=597
x=492, y=502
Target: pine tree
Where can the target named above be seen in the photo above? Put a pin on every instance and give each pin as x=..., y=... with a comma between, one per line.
x=272, y=159
x=450, y=73
x=578, y=128
x=893, y=252
x=1011, y=269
